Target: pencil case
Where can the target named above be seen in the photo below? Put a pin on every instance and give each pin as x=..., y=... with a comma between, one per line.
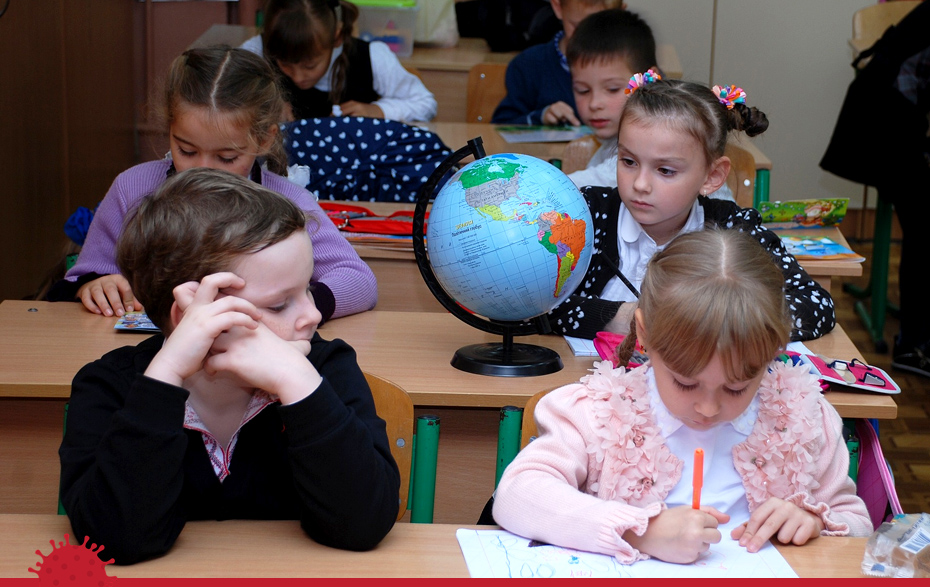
x=352, y=218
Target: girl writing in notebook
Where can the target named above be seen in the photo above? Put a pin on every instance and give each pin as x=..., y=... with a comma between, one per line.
x=611, y=469
x=671, y=141
x=326, y=71
x=222, y=107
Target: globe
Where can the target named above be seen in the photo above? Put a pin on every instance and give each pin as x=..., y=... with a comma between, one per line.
x=508, y=238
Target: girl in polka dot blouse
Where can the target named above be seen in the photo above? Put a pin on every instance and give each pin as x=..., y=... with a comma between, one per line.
x=670, y=156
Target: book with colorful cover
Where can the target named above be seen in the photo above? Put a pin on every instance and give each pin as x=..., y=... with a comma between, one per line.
x=135, y=322
x=819, y=249
x=801, y=213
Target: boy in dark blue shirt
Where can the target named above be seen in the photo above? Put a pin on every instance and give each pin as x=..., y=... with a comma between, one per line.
x=539, y=83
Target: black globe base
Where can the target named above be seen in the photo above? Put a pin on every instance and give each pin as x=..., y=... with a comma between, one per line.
x=520, y=360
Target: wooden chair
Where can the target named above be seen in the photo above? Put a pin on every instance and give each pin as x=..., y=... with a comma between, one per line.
x=485, y=91
x=528, y=431
x=578, y=152
x=414, y=453
x=871, y=22
x=742, y=177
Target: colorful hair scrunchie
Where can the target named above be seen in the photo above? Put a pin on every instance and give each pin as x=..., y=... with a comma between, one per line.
x=641, y=79
x=730, y=95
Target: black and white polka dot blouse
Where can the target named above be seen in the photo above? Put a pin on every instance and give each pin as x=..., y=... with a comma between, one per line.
x=584, y=313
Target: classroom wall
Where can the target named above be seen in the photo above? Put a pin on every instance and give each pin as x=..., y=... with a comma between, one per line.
x=793, y=60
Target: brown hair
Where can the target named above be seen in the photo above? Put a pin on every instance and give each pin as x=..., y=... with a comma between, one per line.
x=694, y=109
x=195, y=224
x=231, y=82
x=296, y=30
x=612, y=34
x=713, y=292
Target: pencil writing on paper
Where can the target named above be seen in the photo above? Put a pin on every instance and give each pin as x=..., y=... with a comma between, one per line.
x=698, y=480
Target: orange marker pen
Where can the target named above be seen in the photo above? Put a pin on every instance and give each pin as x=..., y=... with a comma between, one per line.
x=698, y=481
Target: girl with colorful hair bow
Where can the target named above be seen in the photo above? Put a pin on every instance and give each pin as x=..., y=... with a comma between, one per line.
x=670, y=156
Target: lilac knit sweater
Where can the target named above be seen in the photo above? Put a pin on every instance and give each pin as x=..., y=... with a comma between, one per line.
x=350, y=286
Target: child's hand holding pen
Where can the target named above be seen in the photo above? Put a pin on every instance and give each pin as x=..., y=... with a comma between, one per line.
x=680, y=534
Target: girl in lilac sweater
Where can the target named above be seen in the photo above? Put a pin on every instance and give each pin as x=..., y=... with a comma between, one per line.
x=612, y=467
x=223, y=107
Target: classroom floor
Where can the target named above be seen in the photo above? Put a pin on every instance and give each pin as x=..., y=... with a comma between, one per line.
x=905, y=440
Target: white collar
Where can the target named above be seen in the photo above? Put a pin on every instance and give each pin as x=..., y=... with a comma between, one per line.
x=668, y=423
x=324, y=84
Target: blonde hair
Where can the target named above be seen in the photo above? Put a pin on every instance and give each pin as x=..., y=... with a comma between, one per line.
x=714, y=292
x=234, y=83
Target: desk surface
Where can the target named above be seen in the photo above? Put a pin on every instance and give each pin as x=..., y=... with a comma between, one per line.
x=249, y=548
x=41, y=351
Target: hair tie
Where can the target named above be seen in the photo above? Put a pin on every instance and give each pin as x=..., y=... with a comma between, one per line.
x=641, y=79
x=730, y=95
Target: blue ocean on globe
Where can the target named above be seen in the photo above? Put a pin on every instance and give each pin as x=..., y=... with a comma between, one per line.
x=509, y=237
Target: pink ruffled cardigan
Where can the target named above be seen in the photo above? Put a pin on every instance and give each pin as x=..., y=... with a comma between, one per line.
x=601, y=467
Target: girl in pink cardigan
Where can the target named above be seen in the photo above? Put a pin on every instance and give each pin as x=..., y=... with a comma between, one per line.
x=611, y=469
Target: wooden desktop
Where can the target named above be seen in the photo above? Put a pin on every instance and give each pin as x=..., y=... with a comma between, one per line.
x=270, y=549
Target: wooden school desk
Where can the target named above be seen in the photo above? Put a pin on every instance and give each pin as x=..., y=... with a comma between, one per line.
x=41, y=351
x=444, y=70
x=267, y=549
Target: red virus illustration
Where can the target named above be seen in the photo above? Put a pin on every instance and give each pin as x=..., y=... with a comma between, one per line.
x=73, y=565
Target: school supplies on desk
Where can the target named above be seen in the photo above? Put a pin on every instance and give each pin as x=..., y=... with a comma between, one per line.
x=135, y=322
x=542, y=134
x=822, y=249
x=498, y=553
x=852, y=373
x=581, y=347
x=801, y=213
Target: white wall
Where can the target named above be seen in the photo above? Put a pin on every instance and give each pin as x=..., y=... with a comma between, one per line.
x=792, y=58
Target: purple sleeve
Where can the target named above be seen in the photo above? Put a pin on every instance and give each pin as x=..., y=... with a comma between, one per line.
x=98, y=255
x=336, y=264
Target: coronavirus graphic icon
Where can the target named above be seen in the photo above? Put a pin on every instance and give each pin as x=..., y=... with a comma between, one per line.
x=73, y=565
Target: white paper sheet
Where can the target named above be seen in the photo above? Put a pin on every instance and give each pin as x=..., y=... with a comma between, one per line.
x=498, y=553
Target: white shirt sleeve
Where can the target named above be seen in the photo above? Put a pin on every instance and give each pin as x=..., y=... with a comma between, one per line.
x=600, y=172
x=254, y=45
x=403, y=96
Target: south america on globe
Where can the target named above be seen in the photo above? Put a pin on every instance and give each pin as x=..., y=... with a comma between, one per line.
x=509, y=237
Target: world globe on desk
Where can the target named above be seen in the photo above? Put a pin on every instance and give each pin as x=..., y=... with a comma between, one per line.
x=508, y=238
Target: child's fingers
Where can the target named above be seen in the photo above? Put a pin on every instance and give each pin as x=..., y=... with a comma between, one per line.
x=721, y=517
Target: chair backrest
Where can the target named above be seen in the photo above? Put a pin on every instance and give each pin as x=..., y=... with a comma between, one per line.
x=395, y=407
x=578, y=152
x=485, y=91
x=528, y=431
x=871, y=22
x=742, y=177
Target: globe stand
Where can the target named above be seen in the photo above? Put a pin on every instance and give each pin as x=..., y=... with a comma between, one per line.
x=504, y=359
x=507, y=359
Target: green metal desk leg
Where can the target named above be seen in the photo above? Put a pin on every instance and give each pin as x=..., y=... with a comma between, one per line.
x=423, y=470
x=873, y=317
x=508, y=438
x=761, y=192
